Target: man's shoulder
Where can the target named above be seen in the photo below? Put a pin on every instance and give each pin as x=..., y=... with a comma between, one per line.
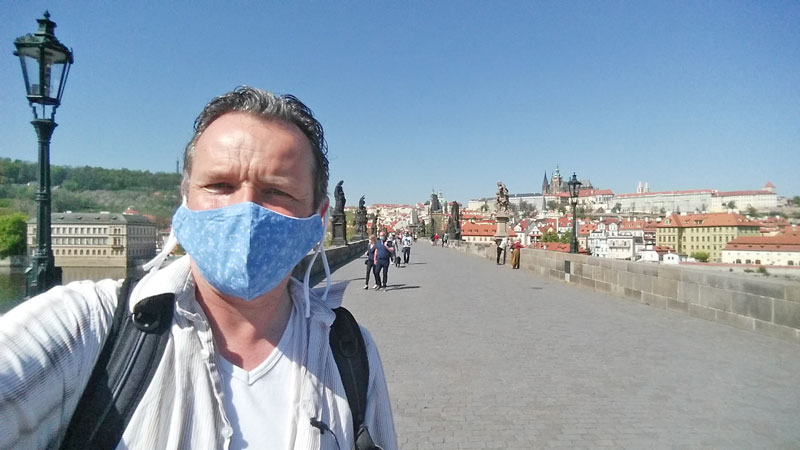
x=169, y=279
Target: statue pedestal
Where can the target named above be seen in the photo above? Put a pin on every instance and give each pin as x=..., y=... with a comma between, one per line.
x=361, y=227
x=502, y=225
x=338, y=231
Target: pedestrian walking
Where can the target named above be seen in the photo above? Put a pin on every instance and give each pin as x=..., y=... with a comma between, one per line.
x=394, y=242
x=370, y=262
x=406, y=248
x=383, y=254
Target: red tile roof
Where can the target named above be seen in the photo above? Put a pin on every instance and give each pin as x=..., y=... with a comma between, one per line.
x=594, y=192
x=586, y=228
x=706, y=220
x=789, y=242
x=478, y=229
x=736, y=193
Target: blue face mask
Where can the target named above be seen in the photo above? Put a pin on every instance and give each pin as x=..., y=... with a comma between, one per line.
x=245, y=250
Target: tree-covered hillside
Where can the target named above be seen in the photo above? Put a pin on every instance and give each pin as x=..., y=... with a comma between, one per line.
x=90, y=189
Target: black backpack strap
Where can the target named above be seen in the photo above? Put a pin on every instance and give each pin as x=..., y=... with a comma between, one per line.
x=123, y=371
x=350, y=353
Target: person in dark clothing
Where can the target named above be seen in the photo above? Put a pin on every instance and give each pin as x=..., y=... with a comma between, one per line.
x=501, y=249
x=383, y=254
x=370, y=262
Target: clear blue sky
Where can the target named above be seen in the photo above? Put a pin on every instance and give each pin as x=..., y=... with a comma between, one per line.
x=448, y=95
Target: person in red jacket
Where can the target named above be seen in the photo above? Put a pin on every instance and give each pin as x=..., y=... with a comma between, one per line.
x=515, y=252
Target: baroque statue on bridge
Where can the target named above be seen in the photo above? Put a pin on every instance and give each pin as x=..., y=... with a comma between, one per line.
x=361, y=220
x=502, y=197
x=338, y=195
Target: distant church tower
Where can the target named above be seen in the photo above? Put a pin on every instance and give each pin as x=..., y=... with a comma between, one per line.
x=545, y=184
x=556, y=182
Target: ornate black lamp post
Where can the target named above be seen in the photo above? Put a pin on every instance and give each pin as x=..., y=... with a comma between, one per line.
x=574, y=187
x=45, y=66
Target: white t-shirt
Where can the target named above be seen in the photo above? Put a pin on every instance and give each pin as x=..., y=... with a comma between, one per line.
x=259, y=403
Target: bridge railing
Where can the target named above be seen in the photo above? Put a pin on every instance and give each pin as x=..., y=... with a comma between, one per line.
x=337, y=256
x=765, y=305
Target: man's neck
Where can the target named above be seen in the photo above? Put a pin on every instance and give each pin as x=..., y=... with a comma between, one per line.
x=246, y=333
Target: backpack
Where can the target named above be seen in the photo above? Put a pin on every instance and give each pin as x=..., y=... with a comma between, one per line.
x=134, y=348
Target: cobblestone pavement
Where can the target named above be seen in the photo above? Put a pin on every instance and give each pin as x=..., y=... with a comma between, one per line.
x=481, y=356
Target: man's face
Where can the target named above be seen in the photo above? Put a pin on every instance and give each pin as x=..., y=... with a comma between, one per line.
x=242, y=158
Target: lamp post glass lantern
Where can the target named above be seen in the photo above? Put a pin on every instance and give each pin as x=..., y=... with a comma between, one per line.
x=574, y=188
x=45, y=65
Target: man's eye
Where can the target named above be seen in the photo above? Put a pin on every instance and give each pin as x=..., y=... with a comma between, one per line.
x=277, y=192
x=222, y=186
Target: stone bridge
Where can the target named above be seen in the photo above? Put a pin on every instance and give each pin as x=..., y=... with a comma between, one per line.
x=481, y=356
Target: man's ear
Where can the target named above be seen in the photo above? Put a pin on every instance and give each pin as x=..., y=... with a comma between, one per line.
x=325, y=206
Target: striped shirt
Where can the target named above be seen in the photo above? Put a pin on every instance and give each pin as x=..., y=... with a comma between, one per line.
x=48, y=346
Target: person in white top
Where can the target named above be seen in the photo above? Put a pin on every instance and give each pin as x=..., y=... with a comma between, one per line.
x=247, y=363
x=406, y=248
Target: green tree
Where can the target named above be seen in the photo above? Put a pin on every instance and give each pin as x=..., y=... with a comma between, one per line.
x=752, y=212
x=12, y=234
x=700, y=256
x=778, y=213
x=552, y=205
x=617, y=208
x=550, y=236
x=731, y=205
x=796, y=200
x=566, y=238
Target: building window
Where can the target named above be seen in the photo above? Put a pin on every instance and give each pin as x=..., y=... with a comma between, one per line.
x=758, y=261
x=747, y=261
x=738, y=261
x=791, y=263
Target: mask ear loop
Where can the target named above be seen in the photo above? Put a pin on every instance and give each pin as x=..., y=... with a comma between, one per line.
x=152, y=266
x=172, y=242
x=318, y=249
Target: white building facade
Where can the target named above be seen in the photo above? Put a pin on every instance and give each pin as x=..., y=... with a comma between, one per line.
x=760, y=200
x=98, y=239
x=671, y=201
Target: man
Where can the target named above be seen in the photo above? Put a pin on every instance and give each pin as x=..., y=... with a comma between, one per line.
x=406, y=248
x=383, y=254
x=501, y=249
x=247, y=363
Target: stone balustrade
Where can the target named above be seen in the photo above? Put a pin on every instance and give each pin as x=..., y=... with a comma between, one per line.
x=767, y=306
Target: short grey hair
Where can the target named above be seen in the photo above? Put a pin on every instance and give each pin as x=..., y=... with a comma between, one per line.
x=266, y=105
